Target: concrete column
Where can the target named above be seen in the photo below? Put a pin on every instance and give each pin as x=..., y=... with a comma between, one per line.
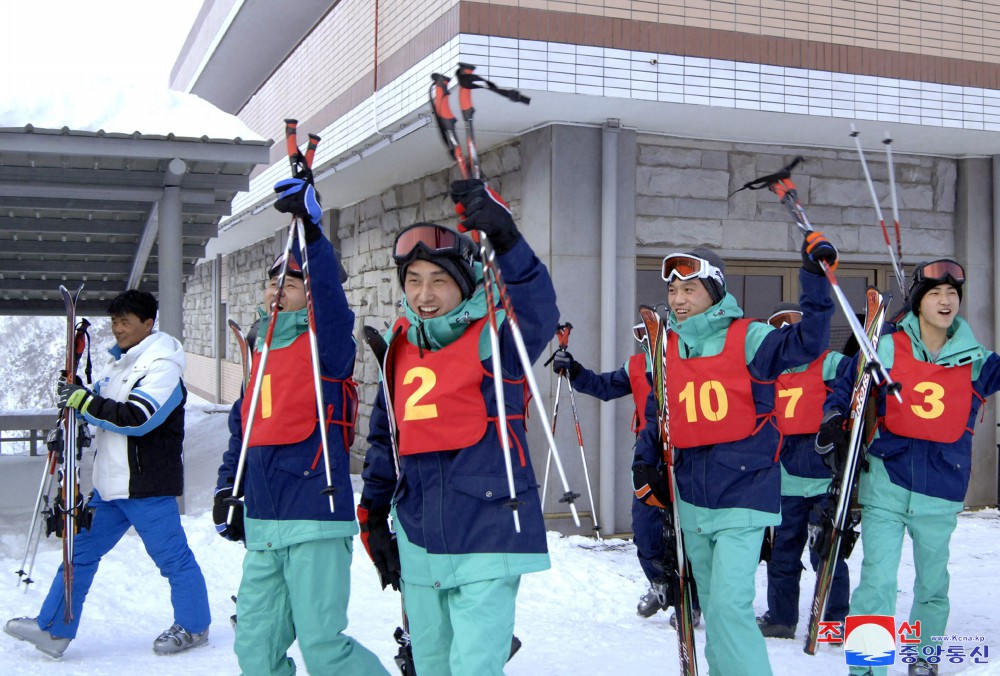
x=974, y=243
x=169, y=253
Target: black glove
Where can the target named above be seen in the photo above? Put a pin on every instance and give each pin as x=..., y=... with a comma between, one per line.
x=563, y=362
x=380, y=543
x=651, y=487
x=298, y=196
x=220, y=512
x=75, y=396
x=832, y=441
x=479, y=207
x=815, y=248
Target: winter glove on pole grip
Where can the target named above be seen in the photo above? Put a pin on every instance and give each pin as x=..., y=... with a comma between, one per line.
x=74, y=396
x=298, y=196
x=479, y=207
x=651, y=487
x=815, y=248
x=380, y=543
x=563, y=362
x=832, y=441
x=220, y=512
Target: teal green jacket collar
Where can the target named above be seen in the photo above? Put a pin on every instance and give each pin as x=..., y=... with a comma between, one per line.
x=290, y=326
x=694, y=331
x=961, y=347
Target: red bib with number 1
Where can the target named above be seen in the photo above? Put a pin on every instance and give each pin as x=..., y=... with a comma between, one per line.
x=936, y=399
x=437, y=396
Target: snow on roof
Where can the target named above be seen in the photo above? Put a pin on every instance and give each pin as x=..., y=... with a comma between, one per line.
x=96, y=105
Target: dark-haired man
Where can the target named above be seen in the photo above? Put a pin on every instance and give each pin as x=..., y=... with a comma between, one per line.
x=137, y=408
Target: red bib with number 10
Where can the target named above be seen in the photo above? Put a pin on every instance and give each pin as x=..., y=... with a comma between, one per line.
x=936, y=399
x=437, y=396
x=711, y=398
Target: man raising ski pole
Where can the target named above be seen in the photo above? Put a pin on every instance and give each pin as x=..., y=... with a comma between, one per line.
x=719, y=372
x=298, y=519
x=460, y=555
x=919, y=462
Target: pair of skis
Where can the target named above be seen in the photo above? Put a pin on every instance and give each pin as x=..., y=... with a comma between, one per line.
x=301, y=165
x=65, y=516
x=468, y=166
x=680, y=582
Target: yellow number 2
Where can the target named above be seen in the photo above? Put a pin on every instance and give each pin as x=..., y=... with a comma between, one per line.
x=413, y=410
x=932, y=406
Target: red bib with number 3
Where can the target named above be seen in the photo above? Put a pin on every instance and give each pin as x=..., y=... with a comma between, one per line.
x=286, y=411
x=936, y=399
x=711, y=398
x=437, y=396
x=798, y=400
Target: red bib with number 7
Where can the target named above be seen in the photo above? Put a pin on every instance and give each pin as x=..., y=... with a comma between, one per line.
x=798, y=399
x=936, y=399
x=711, y=398
x=640, y=389
x=437, y=396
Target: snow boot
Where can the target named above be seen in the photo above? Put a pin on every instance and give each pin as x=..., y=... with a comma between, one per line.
x=771, y=630
x=177, y=639
x=922, y=668
x=650, y=603
x=695, y=619
x=26, y=629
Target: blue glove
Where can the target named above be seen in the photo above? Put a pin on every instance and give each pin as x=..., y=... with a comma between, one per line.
x=298, y=196
x=74, y=396
x=479, y=207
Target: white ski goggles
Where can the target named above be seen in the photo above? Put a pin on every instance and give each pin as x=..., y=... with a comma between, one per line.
x=639, y=332
x=684, y=267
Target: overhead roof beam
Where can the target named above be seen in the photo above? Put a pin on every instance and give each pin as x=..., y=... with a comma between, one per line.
x=99, y=191
x=122, y=177
x=96, y=226
x=217, y=208
x=97, y=267
x=147, y=147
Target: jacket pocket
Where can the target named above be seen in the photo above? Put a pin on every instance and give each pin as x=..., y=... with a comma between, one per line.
x=744, y=462
x=487, y=487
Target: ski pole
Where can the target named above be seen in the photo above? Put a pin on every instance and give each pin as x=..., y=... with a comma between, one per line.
x=895, y=207
x=555, y=406
x=34, y=532
x=780, y=183
x=856, y=135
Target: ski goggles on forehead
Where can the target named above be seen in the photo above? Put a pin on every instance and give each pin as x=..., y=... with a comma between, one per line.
x=433, y=239
x=639, y=332
x=684, y=267
x=940, y=271
x=779, y=319
x=294, y=270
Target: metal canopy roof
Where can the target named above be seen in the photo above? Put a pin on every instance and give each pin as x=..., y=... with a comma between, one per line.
x=81, y=207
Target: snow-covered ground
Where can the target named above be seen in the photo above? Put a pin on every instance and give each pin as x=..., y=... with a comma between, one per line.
x=577, y=618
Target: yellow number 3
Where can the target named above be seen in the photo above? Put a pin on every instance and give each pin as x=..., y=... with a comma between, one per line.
x=413, y=409
x=932, y=406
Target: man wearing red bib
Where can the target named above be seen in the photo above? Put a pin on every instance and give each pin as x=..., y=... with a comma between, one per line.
x=805, y=480
x=455, y=553
x=720, y=371
x=919, y=462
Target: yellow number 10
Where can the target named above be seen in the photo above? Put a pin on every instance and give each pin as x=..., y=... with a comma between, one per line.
x=705, y=392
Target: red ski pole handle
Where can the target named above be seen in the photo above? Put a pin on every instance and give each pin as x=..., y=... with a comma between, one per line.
x=562, y=335
x=783, y=187
x=446, y=121
x=311, y=150
x=292, y=143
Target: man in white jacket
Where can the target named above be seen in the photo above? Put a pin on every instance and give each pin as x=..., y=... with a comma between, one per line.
x=137, y=408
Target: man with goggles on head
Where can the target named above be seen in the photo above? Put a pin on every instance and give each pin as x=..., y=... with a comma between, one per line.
x=805, y=480
x=647, y=520
x=720, y=396
x=919, y=462
x=459, y=557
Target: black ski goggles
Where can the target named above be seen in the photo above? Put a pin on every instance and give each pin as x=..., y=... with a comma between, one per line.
x=943, y=271
x=432, y=239
x=779, y=319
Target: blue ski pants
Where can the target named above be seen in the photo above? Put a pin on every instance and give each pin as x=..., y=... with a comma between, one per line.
x=724, y=564
x=299, y=592
x=647, y=529
x=462, y=630
x=158, y=523
x=784, y=570
x=882, y=539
